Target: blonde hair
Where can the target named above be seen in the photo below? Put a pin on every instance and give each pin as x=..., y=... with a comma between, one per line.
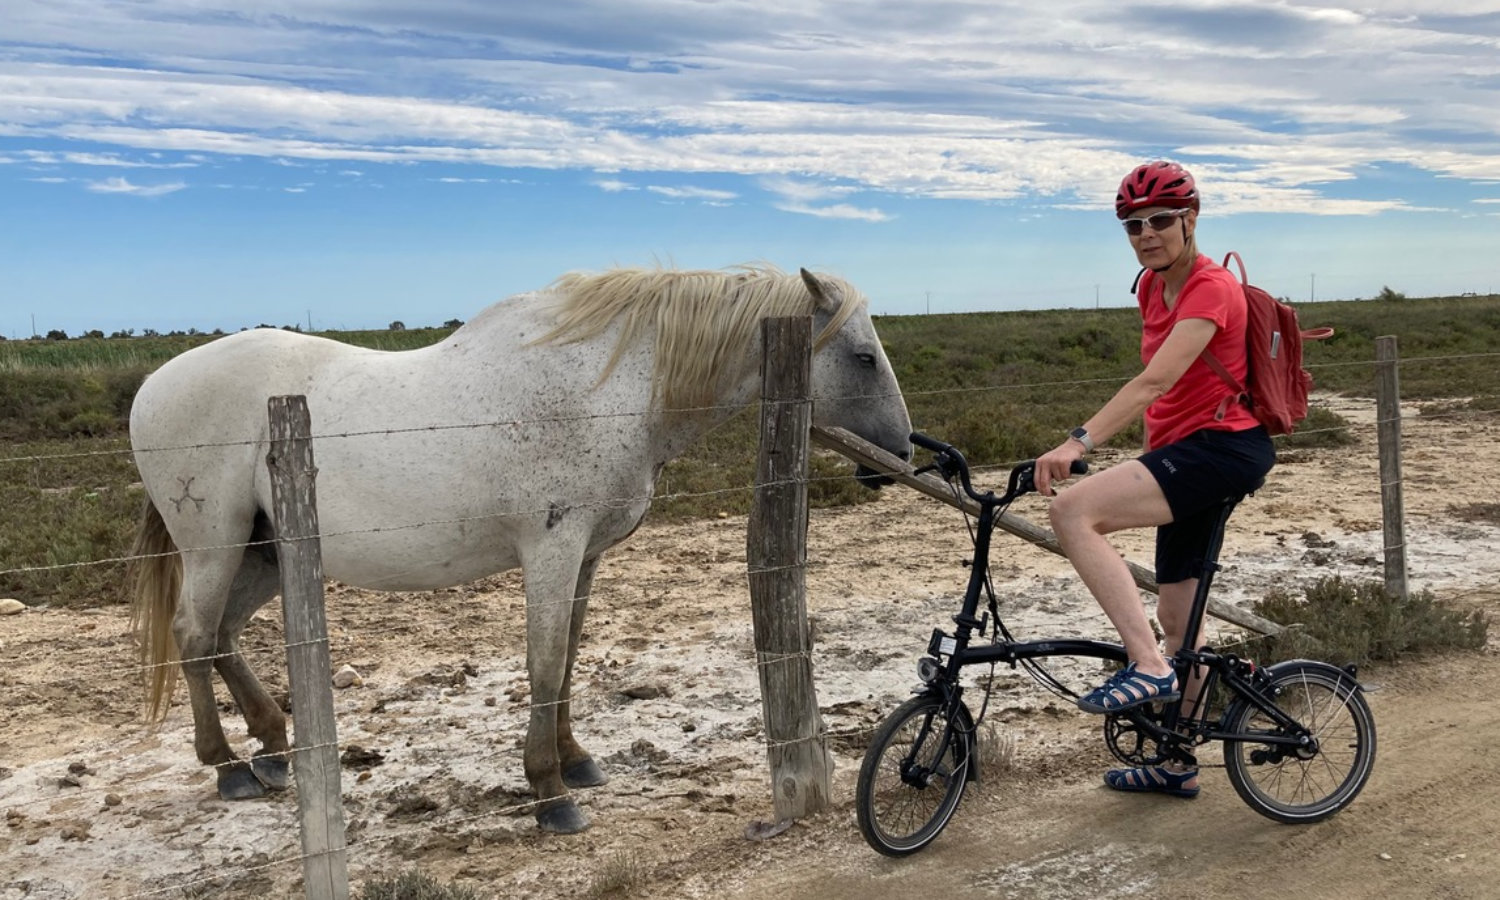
x=701, y=318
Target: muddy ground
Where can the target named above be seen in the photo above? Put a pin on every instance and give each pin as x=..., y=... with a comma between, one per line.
x=98, y=804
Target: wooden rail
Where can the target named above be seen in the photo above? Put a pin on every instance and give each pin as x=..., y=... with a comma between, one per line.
x=871, y=456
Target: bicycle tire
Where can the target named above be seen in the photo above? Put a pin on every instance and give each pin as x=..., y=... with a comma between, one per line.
x=899, y=815
x=1295, y=788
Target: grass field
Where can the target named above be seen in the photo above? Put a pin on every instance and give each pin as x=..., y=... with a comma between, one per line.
x=1002, y=386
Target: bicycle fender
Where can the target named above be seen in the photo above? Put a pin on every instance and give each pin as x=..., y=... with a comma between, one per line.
x=1346, y=675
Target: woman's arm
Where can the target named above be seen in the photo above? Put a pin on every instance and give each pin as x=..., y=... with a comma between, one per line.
x=1184, y=344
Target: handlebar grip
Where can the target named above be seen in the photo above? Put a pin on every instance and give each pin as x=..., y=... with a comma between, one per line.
x=1079, y=467
x=927, y=443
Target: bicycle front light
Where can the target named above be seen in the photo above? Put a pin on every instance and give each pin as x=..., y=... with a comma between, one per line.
x=928, y=670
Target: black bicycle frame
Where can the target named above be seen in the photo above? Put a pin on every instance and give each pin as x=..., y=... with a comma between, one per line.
x=959, y=653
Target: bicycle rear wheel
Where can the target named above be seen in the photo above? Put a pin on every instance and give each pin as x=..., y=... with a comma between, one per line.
x=914, y=774
x=1296, y=785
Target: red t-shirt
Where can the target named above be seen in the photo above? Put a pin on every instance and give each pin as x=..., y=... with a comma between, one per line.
x=1192, y=404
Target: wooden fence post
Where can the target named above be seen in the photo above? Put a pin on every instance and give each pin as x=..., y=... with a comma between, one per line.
x=315, y=757
x=776, y=553
x=1388, y=431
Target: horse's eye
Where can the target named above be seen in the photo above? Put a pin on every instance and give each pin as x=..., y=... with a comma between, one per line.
x=866, y=359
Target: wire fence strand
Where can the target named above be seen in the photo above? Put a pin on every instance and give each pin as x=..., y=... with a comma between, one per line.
x=524, y=711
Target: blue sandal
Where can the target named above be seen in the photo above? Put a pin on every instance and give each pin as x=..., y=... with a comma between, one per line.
x=1127, y=689
x=1153, y=780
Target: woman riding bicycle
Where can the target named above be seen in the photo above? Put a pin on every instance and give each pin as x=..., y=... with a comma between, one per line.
x=1203, y=449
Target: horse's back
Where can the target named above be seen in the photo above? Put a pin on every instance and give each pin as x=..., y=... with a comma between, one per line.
x=487, y=431
x=217, y=392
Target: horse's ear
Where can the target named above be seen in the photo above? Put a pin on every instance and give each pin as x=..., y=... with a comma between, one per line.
x=822, y=296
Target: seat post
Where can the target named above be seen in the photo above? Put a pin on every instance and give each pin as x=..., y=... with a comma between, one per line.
x=1206, y=578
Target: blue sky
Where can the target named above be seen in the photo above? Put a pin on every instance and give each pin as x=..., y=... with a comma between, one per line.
x=171, y=164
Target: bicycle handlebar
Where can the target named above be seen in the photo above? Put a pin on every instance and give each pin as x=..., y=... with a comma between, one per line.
x=950, y=462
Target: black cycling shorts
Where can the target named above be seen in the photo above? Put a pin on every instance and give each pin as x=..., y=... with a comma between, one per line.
x=1199, y=475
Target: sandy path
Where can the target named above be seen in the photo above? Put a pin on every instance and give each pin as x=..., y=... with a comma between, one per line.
x=668, y=700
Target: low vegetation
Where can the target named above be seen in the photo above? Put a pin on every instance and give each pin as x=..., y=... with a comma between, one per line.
x=1345, y=621
x=1002, y=386
x=623, y=874
x=414, y=885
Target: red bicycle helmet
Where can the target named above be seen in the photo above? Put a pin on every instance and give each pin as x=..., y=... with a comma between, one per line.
x=1158, y=183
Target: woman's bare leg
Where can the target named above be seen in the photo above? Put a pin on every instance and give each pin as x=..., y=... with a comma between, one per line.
x=1174, y=603
x=1123, y=496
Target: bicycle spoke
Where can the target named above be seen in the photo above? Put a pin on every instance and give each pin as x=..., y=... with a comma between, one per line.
x=1302, y=784
x=899, y=814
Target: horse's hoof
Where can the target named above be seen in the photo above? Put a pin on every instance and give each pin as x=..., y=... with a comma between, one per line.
x=273, y=772
x=239, y=783
x=564, y=818
x=584, y=774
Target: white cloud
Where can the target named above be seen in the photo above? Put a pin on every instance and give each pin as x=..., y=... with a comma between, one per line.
x=121, y=186
x=40, y=157
x=802, y=190
x=993, y=101
x=836, y=211
x=691, y=193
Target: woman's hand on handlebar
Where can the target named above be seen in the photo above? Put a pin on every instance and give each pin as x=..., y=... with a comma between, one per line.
x=1056, y=465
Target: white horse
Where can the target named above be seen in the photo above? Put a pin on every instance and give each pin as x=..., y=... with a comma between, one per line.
x=565, y=405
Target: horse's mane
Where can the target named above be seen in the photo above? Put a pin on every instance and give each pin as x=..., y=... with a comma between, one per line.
x=701, y=318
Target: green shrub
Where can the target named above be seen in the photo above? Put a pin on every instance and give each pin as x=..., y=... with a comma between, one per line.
x=621, y=875
x=1344, y=622
x=1322, y=428
x=1000, y=386
x=414, y=885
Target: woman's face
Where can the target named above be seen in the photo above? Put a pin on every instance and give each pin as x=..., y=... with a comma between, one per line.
x=1157, y=248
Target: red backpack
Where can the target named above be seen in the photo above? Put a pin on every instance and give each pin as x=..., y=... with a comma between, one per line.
x=1277, y=387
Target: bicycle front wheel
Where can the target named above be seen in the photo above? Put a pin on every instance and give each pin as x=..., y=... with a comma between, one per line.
x=1303, y=785
x=914, y=775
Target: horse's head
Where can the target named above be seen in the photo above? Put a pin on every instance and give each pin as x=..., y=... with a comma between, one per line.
x=853, y=385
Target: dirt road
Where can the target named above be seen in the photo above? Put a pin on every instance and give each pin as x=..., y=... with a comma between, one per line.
x=96, y=804
x=1426, y=826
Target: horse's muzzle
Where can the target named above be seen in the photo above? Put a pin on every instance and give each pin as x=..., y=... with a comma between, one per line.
x=871, y=478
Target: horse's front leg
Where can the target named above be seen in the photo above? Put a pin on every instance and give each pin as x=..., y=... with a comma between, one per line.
x=578, y=768
x=551, y=574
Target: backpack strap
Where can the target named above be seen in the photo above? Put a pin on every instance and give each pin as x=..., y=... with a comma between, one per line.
x=1240, y=394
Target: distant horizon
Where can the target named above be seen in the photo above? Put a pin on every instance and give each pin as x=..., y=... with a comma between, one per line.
x=194, y=331
x=193, y=163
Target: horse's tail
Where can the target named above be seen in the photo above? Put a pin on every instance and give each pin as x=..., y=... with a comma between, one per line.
x=155, y=579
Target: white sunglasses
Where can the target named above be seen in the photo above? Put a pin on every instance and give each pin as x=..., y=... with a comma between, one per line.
x=1159, y=222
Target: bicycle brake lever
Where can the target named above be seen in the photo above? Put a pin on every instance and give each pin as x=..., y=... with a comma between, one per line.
x=1026, y=475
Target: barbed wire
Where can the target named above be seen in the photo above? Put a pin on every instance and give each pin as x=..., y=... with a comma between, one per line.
x=655, y=770
x=605, y=503
x=550, y=420
x=762, y=660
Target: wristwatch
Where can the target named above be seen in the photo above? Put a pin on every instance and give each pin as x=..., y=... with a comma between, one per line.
x=1081, y=435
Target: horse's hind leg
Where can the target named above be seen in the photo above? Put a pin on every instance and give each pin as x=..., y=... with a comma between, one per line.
x=206, y=579
x=257, y=581
x=578, y=767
